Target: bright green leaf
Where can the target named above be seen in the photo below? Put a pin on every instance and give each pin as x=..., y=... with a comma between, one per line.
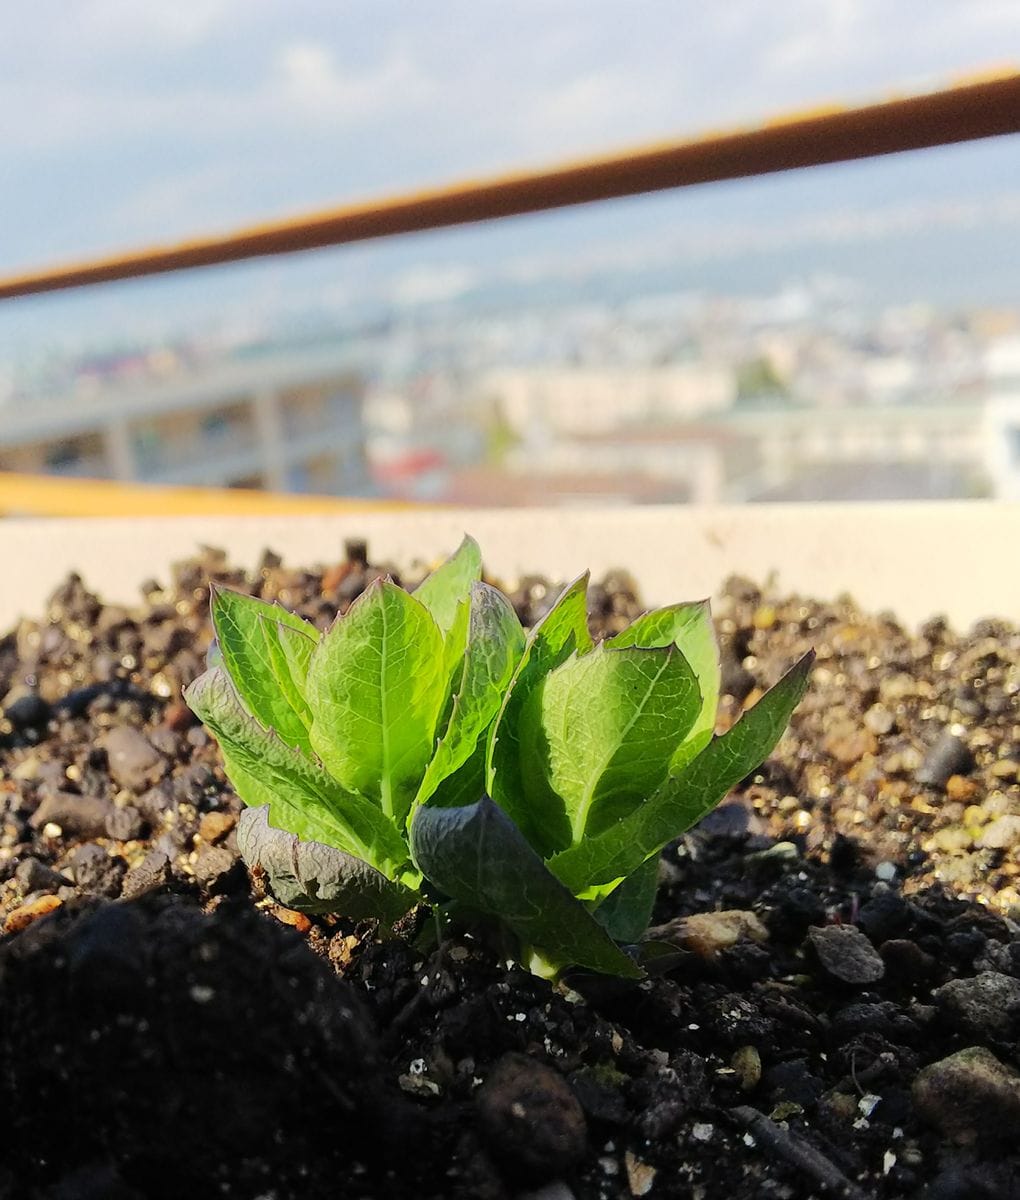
x=561, y=632
x=450, y=583
x=376, y=687
x=495, y=642
x=302, y=797
x=598, y=732
x=266, y=651
x=476, y=855
x=455, y=642
x=685, y=798
x=689, y=627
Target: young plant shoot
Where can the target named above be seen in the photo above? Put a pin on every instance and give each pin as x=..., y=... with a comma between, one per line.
x=424, y=737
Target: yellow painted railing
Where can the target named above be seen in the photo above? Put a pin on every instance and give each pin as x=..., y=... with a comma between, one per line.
x=52, y=496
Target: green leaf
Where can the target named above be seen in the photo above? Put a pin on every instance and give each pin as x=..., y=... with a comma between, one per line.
x=376, y=687
x=450, y=583
x=688, y=796
x=464, y=786
x=266, y=651
x=455, y=642
x=598, y=732
x=313, y=877
x=627, y=910
x=476, y=855
x=689, y=627
x=495, y=642
x=302, y=797
x=561, y=632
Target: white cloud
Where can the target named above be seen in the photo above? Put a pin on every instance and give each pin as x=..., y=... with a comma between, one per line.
x=425, y=285
x=187, y=111
x=312, y=81
x=819, y=34
x=156, y=23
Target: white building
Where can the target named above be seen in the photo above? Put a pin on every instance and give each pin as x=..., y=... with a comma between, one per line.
x=1001, y=429
x=795, y=441
x=539, y=403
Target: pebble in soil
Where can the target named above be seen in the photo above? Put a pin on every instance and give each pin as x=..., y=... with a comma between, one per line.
x=845, y=1024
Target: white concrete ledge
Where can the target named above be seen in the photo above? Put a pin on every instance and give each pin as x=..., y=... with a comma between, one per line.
x=915, y=559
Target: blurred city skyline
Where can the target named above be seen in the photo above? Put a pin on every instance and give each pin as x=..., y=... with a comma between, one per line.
x=745, y=322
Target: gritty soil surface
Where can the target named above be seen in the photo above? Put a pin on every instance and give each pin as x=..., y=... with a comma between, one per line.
x=839, y=1013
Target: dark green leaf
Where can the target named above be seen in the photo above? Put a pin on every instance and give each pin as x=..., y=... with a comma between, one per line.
x=689, y=627
x=376, y=687
x=313, y=877
x=688, y=796
x=476, y=855
x=449, y=584
x=266, y=651
x=303, y=798
x=626, y=911
x=561, y=632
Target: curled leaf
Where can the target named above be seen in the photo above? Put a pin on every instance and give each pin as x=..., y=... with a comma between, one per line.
x=315, y=878
x=304, y=797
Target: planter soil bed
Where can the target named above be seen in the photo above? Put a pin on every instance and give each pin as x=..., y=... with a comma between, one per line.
x=848, y=1027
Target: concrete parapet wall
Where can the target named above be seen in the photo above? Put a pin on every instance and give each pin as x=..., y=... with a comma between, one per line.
x=916, y=560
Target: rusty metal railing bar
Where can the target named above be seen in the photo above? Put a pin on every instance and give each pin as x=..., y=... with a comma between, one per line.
x=969, y=111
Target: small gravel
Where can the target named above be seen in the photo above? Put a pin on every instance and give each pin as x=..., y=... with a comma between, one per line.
x=846, y=954
x=835, y=1000
x=970, y=1096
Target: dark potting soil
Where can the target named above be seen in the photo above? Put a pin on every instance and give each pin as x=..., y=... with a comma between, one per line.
x=839, y=1016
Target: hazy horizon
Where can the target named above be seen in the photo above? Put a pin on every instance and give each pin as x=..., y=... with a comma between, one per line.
x=127, y=124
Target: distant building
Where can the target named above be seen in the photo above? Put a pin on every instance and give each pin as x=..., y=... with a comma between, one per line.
x=934, y=449
x=536, y=402
x=690, y=433
x=484, y=487
x=688, y=462
x=630, y=434
x=1002, y=443
x=283, y=422
x=1002, y=417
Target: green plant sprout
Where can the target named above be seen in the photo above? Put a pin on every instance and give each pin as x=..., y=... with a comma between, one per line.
x=533, y=778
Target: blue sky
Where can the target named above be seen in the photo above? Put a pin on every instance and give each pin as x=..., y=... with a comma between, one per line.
x=125, y=122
